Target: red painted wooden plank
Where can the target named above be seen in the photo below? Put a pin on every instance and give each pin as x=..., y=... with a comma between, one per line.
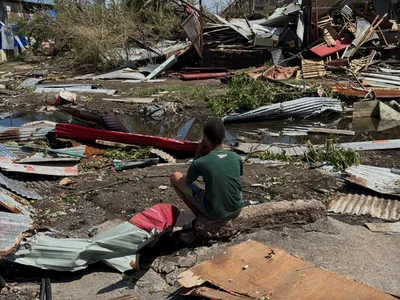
x=325, y=50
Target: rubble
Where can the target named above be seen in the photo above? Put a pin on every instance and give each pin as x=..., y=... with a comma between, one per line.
x=333, y=67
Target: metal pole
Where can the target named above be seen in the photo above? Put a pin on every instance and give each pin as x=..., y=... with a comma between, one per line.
x=201, y=25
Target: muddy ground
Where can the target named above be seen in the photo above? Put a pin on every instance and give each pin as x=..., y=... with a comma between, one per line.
x=99, y=198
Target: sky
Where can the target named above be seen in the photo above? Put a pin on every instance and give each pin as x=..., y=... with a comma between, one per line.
x=214, y=5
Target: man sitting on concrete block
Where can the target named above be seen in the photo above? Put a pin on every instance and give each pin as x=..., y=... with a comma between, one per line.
x=221, y=170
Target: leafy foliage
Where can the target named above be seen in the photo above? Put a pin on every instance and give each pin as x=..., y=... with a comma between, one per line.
x=245, y=93
x=122, y=154
x=337, y=156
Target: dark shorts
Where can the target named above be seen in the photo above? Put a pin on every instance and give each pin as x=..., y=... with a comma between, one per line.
x=196, y=195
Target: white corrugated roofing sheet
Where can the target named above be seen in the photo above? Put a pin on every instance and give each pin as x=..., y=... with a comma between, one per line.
x=361, y=202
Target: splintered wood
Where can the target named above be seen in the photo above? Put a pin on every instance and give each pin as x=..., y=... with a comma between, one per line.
x=312, y=68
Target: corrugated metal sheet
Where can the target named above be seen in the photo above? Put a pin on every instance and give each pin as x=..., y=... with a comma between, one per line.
x=19, y=188
x=360, y=201
x=381, y=180
x=112, y=122
x=24, y=151
x=299, y=108
x=71, y=154
x=362, y=27
x=39, y=184
x=15, y=203
x=5, y=152
x=120, y=74
x=9, y=166
x=117, y=247
x=192, y=27
x=20, y=134
x=11, y=228
x=29, y=83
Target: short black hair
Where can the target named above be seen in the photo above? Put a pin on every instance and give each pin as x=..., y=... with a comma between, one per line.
x=214, y=130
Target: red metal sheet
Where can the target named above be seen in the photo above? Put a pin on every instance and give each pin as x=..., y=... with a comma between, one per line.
x=90, y=134
x=325, y=50
x=195, y=76
x=161, y=216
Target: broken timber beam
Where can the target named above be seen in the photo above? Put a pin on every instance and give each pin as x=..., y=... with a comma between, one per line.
x=330, y=130
x=266, y=215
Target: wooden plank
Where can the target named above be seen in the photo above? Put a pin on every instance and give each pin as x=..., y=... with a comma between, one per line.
x=384, y=227
x=131, y=100
x=255, y=270
x=329, y=130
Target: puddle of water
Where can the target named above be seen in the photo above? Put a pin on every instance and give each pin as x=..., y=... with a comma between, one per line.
x=284, y=131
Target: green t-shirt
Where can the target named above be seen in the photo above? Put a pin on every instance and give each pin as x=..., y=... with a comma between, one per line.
x=221, y=170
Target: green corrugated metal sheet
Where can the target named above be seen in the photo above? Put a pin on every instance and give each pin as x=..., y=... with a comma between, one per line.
x=116, y=247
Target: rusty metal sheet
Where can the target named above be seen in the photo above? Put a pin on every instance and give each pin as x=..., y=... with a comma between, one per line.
x=253, y=270
x=90, y=151
x=192, y=28
x=359, y=201
x=12, y=226
x=195, y=76
x=20, y=134
x=344, y=88
x=381, y=180
x=15, y=203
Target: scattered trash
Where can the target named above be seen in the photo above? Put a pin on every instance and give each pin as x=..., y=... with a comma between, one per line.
x=65, y=181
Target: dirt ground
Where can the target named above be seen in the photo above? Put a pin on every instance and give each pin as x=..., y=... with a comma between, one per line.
x=149, y=186
x=100, y=198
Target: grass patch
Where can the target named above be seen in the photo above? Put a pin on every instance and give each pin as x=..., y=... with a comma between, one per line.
x=122, y=154
x=245, y=93
x=338, y=157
